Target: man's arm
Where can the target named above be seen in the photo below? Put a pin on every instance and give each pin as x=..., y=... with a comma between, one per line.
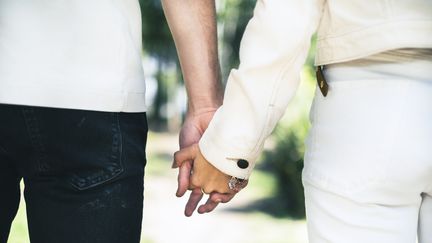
x=193, y=25
x=272, y=53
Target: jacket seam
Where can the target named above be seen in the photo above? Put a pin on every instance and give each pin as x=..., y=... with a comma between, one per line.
x=371, y=26
x=270, y=105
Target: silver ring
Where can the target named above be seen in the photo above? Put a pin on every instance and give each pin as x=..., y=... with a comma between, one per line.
x=236, y=184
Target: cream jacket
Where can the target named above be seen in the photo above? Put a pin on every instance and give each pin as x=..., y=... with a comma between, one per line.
x=273, y=50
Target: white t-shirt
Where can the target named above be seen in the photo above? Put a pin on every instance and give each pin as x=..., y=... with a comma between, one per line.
x=78, y=54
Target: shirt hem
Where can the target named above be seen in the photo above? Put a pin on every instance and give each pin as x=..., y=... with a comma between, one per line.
x=56, y=98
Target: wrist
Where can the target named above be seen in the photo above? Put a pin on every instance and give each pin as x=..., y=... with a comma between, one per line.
x=202, y=109
x=199, y=119
x=203, y=99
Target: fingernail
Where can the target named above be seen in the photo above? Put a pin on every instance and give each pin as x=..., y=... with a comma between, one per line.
x=174, y=165
x=218, y=200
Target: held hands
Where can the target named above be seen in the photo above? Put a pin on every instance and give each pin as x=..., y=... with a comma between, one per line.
x=203, y=178
x=195, y=172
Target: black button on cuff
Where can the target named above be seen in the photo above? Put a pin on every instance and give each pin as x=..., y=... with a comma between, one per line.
x=243, y=164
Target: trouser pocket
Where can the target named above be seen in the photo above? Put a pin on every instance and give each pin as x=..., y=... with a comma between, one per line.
x=82, y=147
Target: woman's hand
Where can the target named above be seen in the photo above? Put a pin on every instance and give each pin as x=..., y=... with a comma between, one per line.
x=205, y=178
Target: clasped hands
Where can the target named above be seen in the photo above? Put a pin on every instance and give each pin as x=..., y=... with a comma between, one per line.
x=195, y=172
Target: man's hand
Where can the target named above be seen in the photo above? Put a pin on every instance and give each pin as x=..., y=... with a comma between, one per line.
x=198, y=55
x=191, y=132
x=205, y=179
x=194, y=126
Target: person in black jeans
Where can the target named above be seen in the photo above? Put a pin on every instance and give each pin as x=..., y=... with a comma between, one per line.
x=72, y=116
x=83, y=173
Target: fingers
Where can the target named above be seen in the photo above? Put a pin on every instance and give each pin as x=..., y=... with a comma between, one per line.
x=209, y=206
x=194, y=199
x=224, y=198
x=183, y=159
x=183, y=178
x=214, y=200
x=185, y=154
x=205, y=175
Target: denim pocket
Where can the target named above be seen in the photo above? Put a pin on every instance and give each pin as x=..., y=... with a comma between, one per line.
x=82, y=147
x=101, y=149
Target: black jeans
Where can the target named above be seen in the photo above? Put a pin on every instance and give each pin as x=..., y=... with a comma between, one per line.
x=83, y=173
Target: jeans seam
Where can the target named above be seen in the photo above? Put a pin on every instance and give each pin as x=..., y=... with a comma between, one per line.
x=33, y=131
x=120, y=144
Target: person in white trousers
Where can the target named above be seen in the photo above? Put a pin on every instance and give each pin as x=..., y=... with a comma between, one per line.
x=368, y=164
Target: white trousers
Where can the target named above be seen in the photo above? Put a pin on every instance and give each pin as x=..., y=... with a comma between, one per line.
x=368, y=161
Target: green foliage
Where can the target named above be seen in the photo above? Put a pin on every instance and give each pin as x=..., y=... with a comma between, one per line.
x=285, y=160
x=159, y=44
x=157, y=40
x=234, y=15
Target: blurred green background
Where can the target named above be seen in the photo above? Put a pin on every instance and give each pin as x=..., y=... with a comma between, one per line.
x=271, y=209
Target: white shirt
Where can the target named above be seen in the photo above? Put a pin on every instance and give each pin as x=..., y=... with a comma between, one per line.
x=78, y=54
x=273, y=49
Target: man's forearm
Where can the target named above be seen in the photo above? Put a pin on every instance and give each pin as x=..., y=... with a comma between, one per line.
x=193, y=25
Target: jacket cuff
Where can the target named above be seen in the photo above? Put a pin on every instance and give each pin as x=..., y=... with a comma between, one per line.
x=225, y=160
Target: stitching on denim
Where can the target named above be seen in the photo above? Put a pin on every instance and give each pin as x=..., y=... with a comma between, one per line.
x=115, y=156
x=120, y=141
x=33, y=130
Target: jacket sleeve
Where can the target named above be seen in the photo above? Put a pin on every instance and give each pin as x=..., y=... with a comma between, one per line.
x=272, y=52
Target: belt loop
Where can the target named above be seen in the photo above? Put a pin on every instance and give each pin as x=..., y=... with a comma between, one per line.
x=322, y=83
